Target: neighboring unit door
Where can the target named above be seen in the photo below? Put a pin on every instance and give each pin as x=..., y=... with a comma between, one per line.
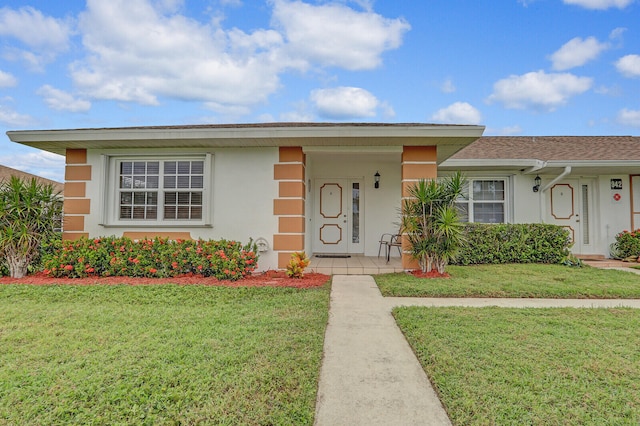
x=569, y=206
x=635, y=204
x=338, y=216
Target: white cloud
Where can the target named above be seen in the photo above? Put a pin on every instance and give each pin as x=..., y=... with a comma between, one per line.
x=629, y=117
x=600, y=4
x=335, y=35
x=617, y=33
x=12, y=118
x=629, y=65
x=538, y=90
x=344, y=103
x=448, y=86
x=458, y=113
x=34, y=29
x=40, y=163
x=43, y=35
x=613, y=90
x=511, y=130
x=296, y=116
x=62, y=101
x=577, y=52
x=7, y=80
x=138, y=54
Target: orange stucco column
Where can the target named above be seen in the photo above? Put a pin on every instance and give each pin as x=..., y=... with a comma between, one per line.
x=76, y=204
x=418, y=162
x=289, y=172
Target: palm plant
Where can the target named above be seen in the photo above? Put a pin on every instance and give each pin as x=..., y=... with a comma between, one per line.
x=29, y=213
x=430, y=221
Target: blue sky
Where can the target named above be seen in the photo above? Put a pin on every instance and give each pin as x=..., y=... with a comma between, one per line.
x=519, y=67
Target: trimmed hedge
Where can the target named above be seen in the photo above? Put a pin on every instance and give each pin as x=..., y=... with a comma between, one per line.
x=162, y=258
x=514, y=243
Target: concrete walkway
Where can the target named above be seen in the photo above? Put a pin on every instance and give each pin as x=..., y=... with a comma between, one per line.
x=370, y=375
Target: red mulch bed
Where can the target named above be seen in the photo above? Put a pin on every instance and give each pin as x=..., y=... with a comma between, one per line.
x=433, y=274
x=266, y=279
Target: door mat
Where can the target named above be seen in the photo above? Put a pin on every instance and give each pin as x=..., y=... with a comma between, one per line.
x=332, y=256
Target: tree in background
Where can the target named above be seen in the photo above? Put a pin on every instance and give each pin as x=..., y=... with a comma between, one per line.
x=30, y=213
x=430, y=221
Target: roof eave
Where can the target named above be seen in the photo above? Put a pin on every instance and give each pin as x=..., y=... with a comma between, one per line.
x=57, y=141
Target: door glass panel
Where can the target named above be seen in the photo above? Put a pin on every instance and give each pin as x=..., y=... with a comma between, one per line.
x=585, y=214
x=355, y=213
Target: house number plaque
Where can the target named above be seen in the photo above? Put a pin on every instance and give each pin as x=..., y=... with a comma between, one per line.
x=616, y=183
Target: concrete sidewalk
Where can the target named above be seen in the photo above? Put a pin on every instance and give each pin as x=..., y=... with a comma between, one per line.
x=370, y=375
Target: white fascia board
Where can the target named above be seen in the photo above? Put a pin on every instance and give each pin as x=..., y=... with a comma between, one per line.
x=483, y=163
x=594, y=163
x=58, y=141
x=285, y=132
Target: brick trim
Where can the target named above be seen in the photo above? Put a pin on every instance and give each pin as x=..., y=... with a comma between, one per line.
x=288, y=205
x=418, y=162
x=76, y=206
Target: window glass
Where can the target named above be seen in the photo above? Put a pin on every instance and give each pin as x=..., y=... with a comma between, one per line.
x=142, y=197
x=483, y=201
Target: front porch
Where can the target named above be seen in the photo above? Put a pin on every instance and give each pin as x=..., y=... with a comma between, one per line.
x=355, y=265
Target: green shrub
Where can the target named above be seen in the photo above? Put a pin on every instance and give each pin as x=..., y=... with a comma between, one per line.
x=627, y=244
x=514, y=243
x=113, y=256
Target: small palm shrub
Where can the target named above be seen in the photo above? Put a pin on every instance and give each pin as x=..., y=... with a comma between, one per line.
x=158, y=257
x=430, y=221
x=30, y=212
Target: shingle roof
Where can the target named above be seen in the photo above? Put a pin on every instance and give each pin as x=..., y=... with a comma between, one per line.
x=550, y=148
x=7, y=172
x=268, y=125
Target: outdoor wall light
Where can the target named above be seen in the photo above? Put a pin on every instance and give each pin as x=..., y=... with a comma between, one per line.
x=376, y=179
x=537, y=181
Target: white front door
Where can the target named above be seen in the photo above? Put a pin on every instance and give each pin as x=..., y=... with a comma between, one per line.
x=569, y=205
x=338, y=216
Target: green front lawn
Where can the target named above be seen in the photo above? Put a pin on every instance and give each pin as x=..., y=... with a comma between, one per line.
x=516, y=280
x=497, y=366
x=161, y=354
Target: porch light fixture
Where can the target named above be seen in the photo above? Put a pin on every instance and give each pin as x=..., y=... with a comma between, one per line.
x=376, y=179
x=537, y=181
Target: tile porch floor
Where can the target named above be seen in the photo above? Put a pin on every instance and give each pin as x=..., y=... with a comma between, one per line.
x=355, y=265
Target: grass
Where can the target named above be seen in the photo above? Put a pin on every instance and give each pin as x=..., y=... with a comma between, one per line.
x=530, y=366
x=516, y=280
x=161, y=354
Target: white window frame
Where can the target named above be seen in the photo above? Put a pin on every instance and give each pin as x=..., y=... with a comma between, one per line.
x=471, y=202
x=111, y=201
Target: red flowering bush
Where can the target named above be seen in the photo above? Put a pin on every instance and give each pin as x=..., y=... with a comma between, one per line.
x=627, y=244
x=162, y=258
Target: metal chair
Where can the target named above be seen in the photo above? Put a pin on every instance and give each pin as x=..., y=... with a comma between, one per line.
x=389, y=241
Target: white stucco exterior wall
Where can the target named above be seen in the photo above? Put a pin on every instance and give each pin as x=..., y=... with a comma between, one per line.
x=241, y=194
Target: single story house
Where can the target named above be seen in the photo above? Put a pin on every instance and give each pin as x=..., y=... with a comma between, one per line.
x=319, y=187
x=330, y=188
x=588, y=184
